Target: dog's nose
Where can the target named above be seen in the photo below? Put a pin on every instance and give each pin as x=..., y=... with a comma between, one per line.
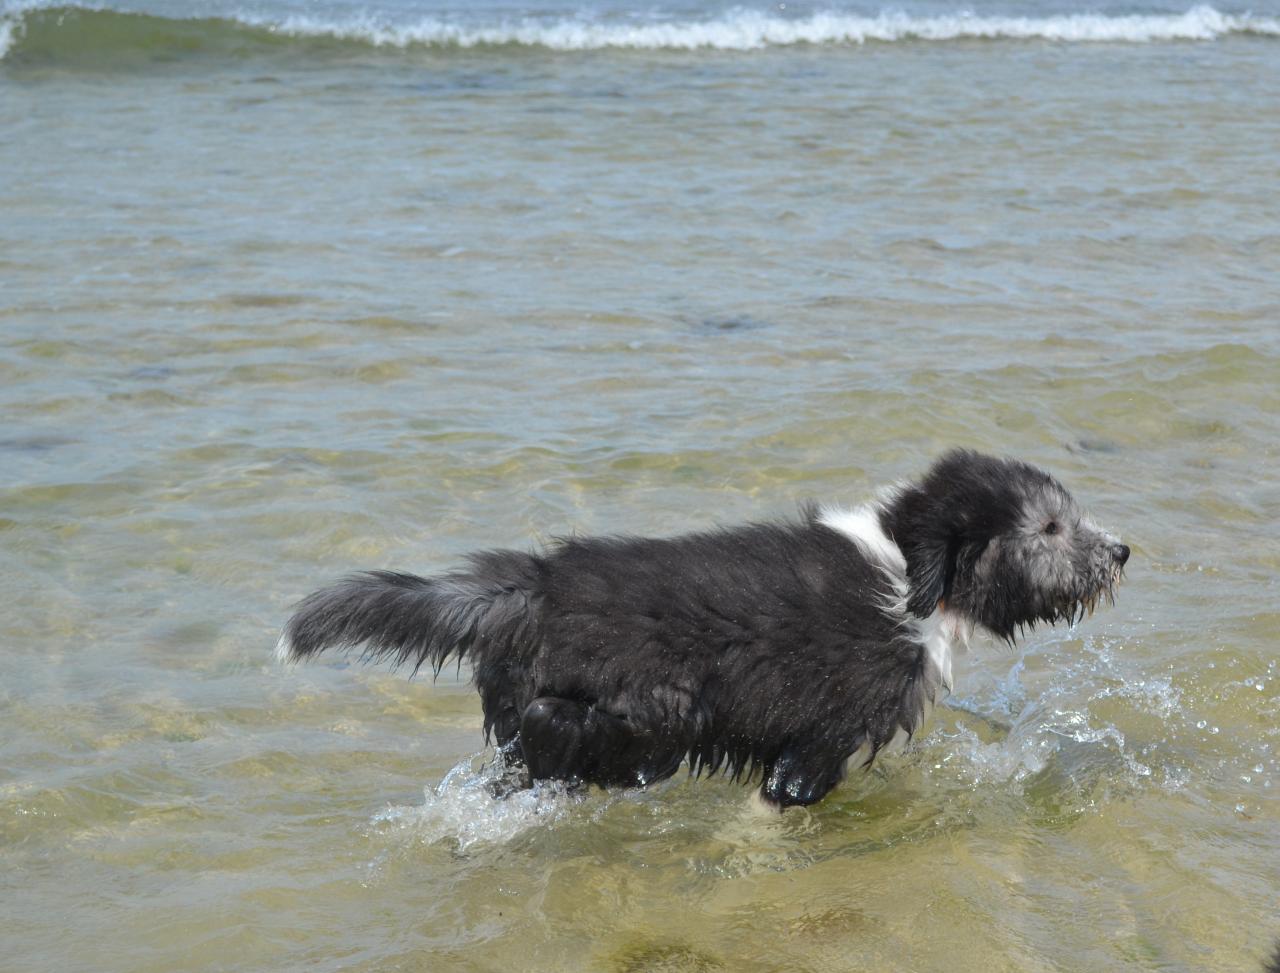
x=1121, y=553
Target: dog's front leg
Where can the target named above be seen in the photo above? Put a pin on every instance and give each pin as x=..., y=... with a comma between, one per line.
x=799, y=779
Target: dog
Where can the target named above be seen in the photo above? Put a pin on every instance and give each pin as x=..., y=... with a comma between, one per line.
x=787, y=652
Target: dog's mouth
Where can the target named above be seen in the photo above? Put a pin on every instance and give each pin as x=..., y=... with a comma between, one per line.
x=1076, y=609
x=1071, y=606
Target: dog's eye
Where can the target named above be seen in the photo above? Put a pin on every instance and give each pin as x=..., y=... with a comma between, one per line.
x=1051, y=527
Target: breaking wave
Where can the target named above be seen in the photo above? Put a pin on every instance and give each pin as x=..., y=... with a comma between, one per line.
x=53, y=34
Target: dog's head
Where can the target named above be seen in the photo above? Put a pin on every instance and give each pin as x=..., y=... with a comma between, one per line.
x=1001, y=544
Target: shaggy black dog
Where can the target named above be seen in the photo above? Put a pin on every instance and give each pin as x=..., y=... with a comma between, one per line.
x=791, y=650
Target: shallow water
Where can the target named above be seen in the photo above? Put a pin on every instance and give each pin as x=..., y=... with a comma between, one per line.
x=276, y=305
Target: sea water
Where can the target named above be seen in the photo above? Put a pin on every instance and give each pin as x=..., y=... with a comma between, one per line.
x=289, y=290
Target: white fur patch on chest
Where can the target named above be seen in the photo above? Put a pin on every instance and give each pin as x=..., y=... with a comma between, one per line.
x=943, y=633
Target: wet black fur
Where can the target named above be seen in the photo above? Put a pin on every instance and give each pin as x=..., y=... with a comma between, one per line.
x=766, y=649
x=1273, y=963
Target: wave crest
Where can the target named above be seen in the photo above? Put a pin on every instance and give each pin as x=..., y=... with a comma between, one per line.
x=746, y=30
x=45, y=33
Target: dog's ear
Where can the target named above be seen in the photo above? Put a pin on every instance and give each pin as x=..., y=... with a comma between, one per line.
x=930, y=566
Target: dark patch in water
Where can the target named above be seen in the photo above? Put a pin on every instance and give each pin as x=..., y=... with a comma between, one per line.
x=1093, y=446
x=263, y=300
x=33, y=444
x=830, y=924
x=651, y=957
x=736, y=322
x=157, y=373
x=993, y=728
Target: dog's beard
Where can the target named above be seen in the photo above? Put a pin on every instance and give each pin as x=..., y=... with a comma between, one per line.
x=1077, y=605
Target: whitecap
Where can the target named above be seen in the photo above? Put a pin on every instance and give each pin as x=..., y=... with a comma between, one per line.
x=744, y=30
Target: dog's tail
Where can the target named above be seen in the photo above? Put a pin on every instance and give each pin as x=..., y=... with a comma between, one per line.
x=415, y=621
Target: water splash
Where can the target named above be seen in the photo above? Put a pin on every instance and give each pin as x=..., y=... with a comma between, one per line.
x=475, y=804
x=1059, y=725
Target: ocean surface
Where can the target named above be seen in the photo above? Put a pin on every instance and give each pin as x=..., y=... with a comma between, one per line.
x=293, y=289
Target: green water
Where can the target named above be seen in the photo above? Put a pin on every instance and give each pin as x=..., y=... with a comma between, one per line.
x=268, y=320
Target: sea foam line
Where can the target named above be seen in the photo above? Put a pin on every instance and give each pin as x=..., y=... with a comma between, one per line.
x=735, y=30
x=744, y=30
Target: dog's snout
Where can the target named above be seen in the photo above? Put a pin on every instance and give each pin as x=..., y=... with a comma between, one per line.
x=1120, y=552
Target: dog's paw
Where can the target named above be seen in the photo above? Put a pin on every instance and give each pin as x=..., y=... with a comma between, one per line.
x=794, y=781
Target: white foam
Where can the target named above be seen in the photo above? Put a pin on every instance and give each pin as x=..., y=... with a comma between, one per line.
x=11, y=23
x=12, y=12
x=734, y=30
x=745, y=30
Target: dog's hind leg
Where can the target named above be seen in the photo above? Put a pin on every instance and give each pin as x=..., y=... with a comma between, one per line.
x=501, y=714
x=502, y=725
x=563, y=739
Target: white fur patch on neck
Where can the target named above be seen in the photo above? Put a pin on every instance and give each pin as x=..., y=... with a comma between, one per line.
x=862, y=526
x=943, y=633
